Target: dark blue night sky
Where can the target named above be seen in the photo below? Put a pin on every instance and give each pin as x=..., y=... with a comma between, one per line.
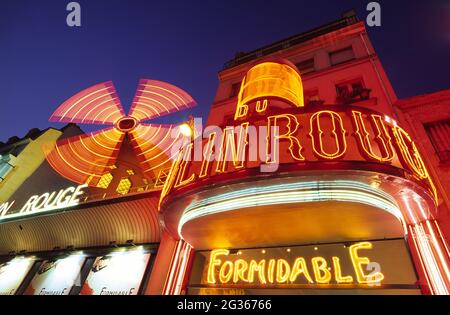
x=43, y=61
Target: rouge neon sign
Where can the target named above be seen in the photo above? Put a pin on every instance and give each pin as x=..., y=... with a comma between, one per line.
x=48, y=201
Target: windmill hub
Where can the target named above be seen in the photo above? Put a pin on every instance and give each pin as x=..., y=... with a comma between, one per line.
x=126, y=123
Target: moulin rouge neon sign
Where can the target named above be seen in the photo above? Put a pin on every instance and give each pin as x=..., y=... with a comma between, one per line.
x=292, y=134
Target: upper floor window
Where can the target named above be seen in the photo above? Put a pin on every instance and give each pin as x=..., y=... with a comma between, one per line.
x=5, y=169
x=6, y=165
x=341, y=56
x=351, y=91
x=439, y=134
x=124, y=186
x=306, y=66
x=312, y=98
x=235, y=87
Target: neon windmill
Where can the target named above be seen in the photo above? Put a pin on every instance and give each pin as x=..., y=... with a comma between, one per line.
x=85, y=158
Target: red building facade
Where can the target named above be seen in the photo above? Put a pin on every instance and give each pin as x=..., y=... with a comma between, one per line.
x=426, y=117
x=340, y=72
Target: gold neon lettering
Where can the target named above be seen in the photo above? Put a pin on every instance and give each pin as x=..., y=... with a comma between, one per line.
x=295, y=147
x=383, y=139
x=226, y=272
x=171, y=177
x=269, y=79
x=207, y=155
x=241, y=111
x=413, y=160
x=181, y=180
x=300, y=268
x=257, y=267
x=271, y=270
x=213, y=262
x=241, y=107
x=338, y=272
x=283, y=271
x=261, y=107
x=238, y=152
x=320, y=268
x=359, y=262
x=240, y=267
x=338, y=132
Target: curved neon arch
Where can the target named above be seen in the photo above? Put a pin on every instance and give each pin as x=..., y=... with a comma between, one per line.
x=300, y=192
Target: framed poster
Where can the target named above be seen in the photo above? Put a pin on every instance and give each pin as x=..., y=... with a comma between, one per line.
x=12, y=273
x=56, y=276
x=118, y=273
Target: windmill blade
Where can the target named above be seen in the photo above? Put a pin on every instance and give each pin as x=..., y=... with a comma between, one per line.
x=156, y=145
x=85, y=158
x=156, y=98
x=98, y=104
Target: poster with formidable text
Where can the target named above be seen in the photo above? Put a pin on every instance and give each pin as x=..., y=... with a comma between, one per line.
x=56, y=276
x=118, y=273
x=12, y=274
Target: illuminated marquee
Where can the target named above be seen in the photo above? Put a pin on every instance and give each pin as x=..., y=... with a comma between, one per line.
x=317, y=270
x=352, y=134
x=269, y=79
x=295, y=134
x=362, y=264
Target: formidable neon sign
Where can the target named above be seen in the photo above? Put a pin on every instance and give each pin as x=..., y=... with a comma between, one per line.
x=314, y=270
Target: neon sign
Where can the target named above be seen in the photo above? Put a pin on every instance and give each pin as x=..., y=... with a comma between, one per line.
x=85, y=158
x=269, y=79
x=349, y=134
x=48, y=201
x=316, y=270
x=270, y=105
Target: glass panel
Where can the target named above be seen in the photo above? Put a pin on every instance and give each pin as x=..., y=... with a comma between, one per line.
x=124, y=186
x=341, y=56
x=105, y=180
